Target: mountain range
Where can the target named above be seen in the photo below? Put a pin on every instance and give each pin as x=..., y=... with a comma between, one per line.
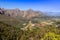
x=20, y=13
x=16, y=16
x=26, y=14
x=53, y=13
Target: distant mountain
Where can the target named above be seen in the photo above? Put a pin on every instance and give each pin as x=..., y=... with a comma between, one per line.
x=21, y=13
x=53, y=13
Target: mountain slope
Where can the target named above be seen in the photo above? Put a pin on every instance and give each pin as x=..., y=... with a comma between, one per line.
x=9, y=20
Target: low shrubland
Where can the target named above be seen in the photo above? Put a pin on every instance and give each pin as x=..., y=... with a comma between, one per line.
x=8, y=32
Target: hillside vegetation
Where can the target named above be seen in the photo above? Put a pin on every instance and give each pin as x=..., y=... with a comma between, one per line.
x=9, y=32
x=9, y=20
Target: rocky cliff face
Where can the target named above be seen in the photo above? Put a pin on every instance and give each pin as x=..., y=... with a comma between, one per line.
x=19, y=13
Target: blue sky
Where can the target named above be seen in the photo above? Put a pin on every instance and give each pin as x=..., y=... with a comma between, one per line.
x=42, y=5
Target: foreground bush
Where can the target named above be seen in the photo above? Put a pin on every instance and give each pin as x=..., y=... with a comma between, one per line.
x=51, y=36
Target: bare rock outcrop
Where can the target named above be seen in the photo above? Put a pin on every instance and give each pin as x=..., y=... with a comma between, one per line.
x=19, y=13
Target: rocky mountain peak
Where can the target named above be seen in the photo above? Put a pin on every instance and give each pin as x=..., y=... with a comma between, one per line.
x=19, y=13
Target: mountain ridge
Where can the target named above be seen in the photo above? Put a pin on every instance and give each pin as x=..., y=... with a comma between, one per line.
x=20, y=13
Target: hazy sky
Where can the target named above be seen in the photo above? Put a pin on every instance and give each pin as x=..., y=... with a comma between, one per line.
x=43, y=5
